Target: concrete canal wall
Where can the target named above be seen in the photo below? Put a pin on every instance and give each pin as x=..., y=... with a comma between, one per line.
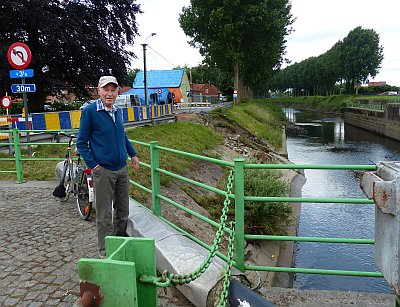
x=384, y=122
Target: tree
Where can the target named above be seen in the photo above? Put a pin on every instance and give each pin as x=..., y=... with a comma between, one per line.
x=130, y=78
x=77, y=40
x=246, y=37
x=360, y=56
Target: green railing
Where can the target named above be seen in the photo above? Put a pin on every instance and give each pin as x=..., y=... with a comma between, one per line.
x=375, y=107
x=239, y=198
x=239, y=166
x=16, y=145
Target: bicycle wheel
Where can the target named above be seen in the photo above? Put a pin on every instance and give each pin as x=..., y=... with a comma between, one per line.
x=66, y=180
x=83, y=204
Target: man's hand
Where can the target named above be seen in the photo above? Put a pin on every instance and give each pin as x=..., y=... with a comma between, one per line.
x=135, y=162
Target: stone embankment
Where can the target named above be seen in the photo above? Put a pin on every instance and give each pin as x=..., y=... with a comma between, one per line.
x=385, y=122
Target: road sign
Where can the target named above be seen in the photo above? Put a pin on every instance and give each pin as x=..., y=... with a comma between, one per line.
x=6, y=102
x=23, y=88
x=19, y=55
x=24, y=73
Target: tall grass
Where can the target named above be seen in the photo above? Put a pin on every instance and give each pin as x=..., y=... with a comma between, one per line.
x=263, y=120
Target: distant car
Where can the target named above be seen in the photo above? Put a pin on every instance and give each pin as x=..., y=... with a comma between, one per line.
x=86, y=104
x=48, y=107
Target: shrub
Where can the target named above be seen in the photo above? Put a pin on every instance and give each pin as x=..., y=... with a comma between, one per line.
x=266, y=217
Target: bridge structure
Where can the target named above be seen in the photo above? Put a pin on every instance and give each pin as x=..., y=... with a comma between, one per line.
x=381, y=184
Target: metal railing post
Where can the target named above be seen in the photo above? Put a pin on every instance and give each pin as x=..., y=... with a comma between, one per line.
x=155, y=178
x=239, y=212
x=17, y=155
x=10, y=140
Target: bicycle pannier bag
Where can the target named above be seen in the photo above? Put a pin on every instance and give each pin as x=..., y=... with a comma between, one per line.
x=59, y=191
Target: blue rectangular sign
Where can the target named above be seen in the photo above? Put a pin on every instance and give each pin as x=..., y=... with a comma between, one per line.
x=24, y=73
x=23, y=88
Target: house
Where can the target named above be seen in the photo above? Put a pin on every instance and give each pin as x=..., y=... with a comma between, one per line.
x=161, y=84
x=377, y=83
x=205, y=92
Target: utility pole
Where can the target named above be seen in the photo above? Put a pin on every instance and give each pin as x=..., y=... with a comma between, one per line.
x=146, y=99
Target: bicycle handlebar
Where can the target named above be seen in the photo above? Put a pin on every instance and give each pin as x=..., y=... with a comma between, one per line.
x=70, y=135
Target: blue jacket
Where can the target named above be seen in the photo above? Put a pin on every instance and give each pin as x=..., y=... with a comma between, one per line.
x=101, y=141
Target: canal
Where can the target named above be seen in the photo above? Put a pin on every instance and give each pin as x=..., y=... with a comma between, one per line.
x=324, y=139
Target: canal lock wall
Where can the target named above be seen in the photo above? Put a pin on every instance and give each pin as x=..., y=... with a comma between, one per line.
x=383, y=122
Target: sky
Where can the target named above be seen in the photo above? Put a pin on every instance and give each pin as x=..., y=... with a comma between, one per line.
x=318, y=26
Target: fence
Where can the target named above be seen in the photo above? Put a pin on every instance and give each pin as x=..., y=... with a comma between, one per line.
x=70, y=119
x=239, y=198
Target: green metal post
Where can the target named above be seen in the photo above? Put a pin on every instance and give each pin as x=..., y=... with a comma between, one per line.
x=17, y=154
x=239, y=212
x=114, y=281
x=155, y=178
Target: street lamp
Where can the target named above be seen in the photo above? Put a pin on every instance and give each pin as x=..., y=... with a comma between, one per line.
x=144, y=68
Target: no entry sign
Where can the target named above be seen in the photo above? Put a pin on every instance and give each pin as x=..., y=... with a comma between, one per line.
x=19, y=55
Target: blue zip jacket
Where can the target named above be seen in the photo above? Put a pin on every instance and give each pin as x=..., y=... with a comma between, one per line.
x=102, y=142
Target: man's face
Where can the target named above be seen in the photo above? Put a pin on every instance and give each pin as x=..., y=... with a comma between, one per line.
x=108, y=94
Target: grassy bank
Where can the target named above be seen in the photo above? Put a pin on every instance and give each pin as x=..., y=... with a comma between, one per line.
x=327, y=103
x=260, y=119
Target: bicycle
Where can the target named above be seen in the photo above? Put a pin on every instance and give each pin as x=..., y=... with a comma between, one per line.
x=77, y=179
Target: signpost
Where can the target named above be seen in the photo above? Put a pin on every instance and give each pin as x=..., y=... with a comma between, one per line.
x=23, y=88
x=19, y=56
x=6, y=102
x=24, y=73
x=235, y=96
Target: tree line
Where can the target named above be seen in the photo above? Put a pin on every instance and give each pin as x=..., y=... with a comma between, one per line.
x=350, y=63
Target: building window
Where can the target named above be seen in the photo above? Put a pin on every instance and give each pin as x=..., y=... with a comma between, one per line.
x=206, y=90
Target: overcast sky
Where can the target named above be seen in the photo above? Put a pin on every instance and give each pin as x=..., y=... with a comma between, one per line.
x=319, y=25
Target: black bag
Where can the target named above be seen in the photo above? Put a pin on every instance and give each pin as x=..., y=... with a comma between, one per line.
x=59, y=191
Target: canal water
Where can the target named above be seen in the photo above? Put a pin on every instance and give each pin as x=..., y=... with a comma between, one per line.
x=325, y=139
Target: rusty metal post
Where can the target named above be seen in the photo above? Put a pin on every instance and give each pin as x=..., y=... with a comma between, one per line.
x=383, y=186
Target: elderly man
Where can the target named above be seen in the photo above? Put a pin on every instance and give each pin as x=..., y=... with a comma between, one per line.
x=104, y=147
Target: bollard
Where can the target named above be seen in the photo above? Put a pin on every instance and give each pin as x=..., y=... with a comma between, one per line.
x=383, y=186
x=113, y=281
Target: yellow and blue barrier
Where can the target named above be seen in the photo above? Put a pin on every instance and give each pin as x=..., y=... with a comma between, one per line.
x=70, y=119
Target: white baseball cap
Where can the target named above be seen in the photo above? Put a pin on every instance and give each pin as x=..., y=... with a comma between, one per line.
x=104, y=80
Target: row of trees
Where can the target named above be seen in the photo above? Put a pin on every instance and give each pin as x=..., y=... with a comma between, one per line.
x=349, y=62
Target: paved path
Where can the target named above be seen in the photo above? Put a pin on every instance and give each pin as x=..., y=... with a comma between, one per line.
x=41, y=241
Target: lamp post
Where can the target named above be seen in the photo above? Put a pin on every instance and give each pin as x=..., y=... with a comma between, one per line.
x=146, y=99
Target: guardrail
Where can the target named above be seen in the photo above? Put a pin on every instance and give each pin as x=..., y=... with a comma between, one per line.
x=375, y=107
x=239, y=198
x=239, y=166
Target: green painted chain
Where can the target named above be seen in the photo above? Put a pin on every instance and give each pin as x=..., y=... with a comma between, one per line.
x=168, y=278
x=224, y=293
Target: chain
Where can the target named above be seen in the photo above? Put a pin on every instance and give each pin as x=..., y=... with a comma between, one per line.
x=180, y=279
x=224, y=293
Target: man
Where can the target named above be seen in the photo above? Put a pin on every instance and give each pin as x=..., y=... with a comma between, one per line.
x=104, y=147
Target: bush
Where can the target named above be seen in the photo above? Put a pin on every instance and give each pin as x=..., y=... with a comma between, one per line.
x=266, y=217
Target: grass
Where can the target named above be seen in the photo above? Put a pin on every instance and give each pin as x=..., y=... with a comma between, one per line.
x=260, y=119
x=182, y=136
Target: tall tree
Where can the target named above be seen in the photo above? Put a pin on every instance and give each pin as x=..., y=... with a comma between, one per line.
x=246, y=37
x=76, y=40
x=360, y=56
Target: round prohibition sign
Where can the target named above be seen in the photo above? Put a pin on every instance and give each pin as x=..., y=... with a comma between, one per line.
x=19, y=55
x=6, y=102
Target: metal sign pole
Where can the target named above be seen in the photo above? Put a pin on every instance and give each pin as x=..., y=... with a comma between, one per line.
x=27, y=125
